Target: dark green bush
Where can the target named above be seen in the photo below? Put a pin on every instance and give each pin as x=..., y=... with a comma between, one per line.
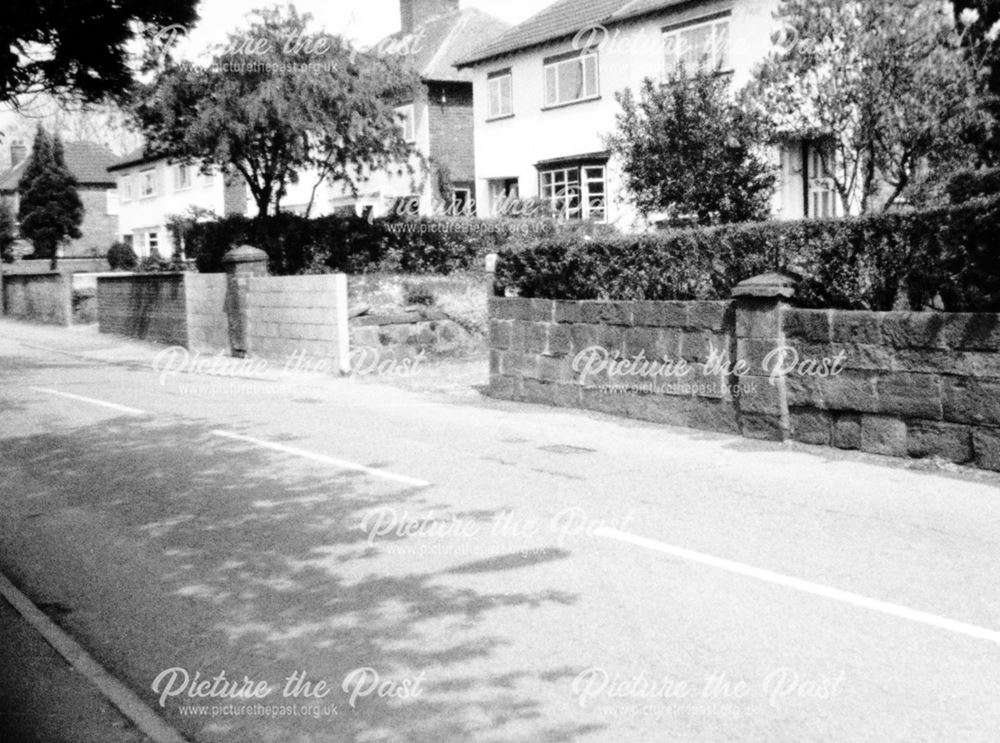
x=967, y=185
x=121, y=256
x=944, y=257
x=297, y=245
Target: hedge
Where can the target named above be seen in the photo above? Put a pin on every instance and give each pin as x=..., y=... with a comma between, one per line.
x=297, y=245
x=944, y=258
x=967, y=185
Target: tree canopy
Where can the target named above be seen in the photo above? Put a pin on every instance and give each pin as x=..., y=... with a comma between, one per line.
x=79, y=48
x=688, y=150
x=884, y=84
x=50, y=209
x=279, y=100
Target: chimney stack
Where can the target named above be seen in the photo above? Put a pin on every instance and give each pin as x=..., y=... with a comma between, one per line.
x=18, y=152
x=412, y=13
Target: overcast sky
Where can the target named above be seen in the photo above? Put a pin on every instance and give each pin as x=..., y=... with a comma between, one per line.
x=364, y=21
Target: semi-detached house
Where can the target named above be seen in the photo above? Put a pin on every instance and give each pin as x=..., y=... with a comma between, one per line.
x=544, y=99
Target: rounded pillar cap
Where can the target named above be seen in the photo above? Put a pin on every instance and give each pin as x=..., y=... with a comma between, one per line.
x=245, y=254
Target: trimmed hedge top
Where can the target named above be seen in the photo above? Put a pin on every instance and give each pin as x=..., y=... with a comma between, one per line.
x=947, y=258
x=296, y=245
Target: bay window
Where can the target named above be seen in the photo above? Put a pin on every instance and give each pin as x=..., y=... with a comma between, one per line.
x=575, y=191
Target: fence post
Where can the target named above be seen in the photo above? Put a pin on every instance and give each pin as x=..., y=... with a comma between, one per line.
x=241, y=264
x=763, y=401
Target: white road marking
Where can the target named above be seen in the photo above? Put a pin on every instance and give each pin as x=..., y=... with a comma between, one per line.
x=952, y=625
x=341, y=463
x=116, y=692
x=92, y=401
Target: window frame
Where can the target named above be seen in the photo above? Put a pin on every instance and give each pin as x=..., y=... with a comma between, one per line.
x=149, y=173
x=179, y=185
x=723, y=62
x=576, y=175
x=498, y=77
x=125, y=182
x=408, y=114
x=576, y=57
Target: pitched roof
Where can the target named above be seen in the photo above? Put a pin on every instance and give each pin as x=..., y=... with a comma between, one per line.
x=439, y=42
x=562, y=20
x=135, y=157
x=87, y=161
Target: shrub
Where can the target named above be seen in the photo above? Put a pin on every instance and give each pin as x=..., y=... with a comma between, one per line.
x=967, y=185
x=418, y=294
x=298, y=245
x=944, y=256
x=121, y=256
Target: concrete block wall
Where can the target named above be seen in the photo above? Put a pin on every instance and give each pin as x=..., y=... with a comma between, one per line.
x=915, y=384
x=42, y=297
x=150, y=306
x=298, y=315
x=541, y=351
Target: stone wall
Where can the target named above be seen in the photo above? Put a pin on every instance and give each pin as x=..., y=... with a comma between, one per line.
x=915, y=384
x=150, y=306
x=893, y=383
x=453, y=325
x=41, y=297
x=541, y=351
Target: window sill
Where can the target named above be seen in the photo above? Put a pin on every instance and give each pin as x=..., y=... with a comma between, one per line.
x=491, y=119
x=571, y=103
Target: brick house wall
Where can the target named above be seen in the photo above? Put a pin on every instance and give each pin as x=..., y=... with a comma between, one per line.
x=450, y=120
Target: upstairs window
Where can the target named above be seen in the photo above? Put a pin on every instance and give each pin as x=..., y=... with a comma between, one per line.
x=147, y=183
x=407, y=123
x=700, y=46
x=125, y=187
x=572, y=79
x=182, y=177
x=500, y=89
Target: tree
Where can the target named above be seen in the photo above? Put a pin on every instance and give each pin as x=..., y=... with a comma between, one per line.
x=686, y=148
x=979, y=23
x=883, y=83
x=50, y=210
x=8, y=232
x=80, y=48
x=292, y=100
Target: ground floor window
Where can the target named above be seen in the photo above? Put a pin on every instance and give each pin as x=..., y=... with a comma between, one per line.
x=822, y=199
x=576, y=191
x=145, y=241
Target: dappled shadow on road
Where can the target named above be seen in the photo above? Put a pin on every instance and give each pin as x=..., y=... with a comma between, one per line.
x=173, y=548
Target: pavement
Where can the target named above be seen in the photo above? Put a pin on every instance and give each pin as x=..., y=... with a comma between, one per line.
x=315, y=559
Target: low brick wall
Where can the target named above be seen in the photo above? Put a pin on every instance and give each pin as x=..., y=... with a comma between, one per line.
x=914, y=384
x=290, y=315
x=41, y=297
x=205, y=301
x=148, y=306
x=893, y=383
x=64, y=265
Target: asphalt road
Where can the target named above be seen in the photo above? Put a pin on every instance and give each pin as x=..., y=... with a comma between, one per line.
x=366, y=563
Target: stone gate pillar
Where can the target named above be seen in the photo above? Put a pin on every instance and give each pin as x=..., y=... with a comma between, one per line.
x=760, y=338
x=241, y=264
